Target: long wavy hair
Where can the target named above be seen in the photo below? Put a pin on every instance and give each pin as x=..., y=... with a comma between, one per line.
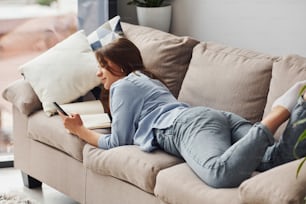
x=127, y=56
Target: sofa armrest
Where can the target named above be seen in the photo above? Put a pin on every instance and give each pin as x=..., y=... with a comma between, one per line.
x=22, y=96
x=278, y=185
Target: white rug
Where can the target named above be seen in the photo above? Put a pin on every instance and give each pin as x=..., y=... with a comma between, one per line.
x=9, y=198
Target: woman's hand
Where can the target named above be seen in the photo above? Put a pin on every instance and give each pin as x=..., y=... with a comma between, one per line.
x=73, y=123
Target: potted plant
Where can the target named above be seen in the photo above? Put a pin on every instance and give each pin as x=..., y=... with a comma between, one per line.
x=301, y=138
x=45, y=2
x=153, y=13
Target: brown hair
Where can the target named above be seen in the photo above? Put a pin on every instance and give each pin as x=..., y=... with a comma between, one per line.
x=126, y=55
x=123, y=53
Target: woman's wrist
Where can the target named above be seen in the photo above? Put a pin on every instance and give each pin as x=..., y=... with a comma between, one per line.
x=80, y=131
x=87, y=135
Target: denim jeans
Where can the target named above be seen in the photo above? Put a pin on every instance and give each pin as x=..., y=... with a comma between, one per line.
x=224, y=149
x=282, y=151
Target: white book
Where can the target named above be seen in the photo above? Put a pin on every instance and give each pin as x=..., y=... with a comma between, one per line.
x=91, y=112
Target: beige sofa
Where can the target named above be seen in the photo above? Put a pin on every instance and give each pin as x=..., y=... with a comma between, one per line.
x=200, y=73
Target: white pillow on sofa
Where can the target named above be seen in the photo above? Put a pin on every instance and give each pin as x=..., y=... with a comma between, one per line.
x=64, y=72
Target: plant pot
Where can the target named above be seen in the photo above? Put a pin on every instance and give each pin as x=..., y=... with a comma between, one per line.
x=155, y=17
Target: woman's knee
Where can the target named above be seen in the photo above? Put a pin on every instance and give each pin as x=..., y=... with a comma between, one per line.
x=222, y=176
x=224, y=180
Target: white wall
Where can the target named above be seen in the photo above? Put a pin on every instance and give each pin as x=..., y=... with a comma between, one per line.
x=272, y=26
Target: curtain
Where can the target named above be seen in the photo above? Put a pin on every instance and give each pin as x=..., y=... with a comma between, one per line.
x=93, y=13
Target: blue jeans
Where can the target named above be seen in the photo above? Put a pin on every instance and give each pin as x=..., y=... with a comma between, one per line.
x=224, y=149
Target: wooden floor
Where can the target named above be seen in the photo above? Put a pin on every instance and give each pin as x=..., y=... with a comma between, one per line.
x=11, y=182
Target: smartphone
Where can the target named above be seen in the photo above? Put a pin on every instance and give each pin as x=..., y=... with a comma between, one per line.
x=60, y=109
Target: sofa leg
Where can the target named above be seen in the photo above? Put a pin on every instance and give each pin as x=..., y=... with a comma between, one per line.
x=29, y=181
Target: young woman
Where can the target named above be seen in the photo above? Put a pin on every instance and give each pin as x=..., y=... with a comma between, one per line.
x=222, y=148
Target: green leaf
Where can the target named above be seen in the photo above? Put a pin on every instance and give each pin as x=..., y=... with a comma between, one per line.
x=300, y=139
x=300, y=167
x=45, y=2
x=299, y=122
x=302, y=90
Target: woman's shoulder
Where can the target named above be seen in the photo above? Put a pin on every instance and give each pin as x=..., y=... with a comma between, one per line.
x=133, y=79
x=138, y=82
x=129, y=82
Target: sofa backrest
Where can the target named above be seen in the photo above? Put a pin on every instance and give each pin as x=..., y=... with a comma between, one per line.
x=164, y=54
x=229, y=79
x=286, y=71
x=206, y=73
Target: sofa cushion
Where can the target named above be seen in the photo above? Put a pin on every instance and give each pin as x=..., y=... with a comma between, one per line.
x=179, y=185
x=64, y=72
x=270, y=186
x=21, y=94
x=286, y=71
x=50, y=131
x=226, y=78
x=164, y=54
x=129, y=163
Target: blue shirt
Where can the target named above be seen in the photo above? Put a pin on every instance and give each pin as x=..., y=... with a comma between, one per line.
x=139, y=104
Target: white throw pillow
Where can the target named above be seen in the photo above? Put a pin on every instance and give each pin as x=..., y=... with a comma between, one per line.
x=106, y=33
x=64, y=72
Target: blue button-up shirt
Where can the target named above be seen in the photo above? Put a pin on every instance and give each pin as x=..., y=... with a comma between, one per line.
x=139, y=104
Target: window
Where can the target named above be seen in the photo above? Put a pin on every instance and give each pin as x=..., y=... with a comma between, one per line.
x=27, y=28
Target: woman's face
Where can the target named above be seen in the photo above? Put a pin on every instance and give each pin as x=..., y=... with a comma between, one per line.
x=107, y=78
